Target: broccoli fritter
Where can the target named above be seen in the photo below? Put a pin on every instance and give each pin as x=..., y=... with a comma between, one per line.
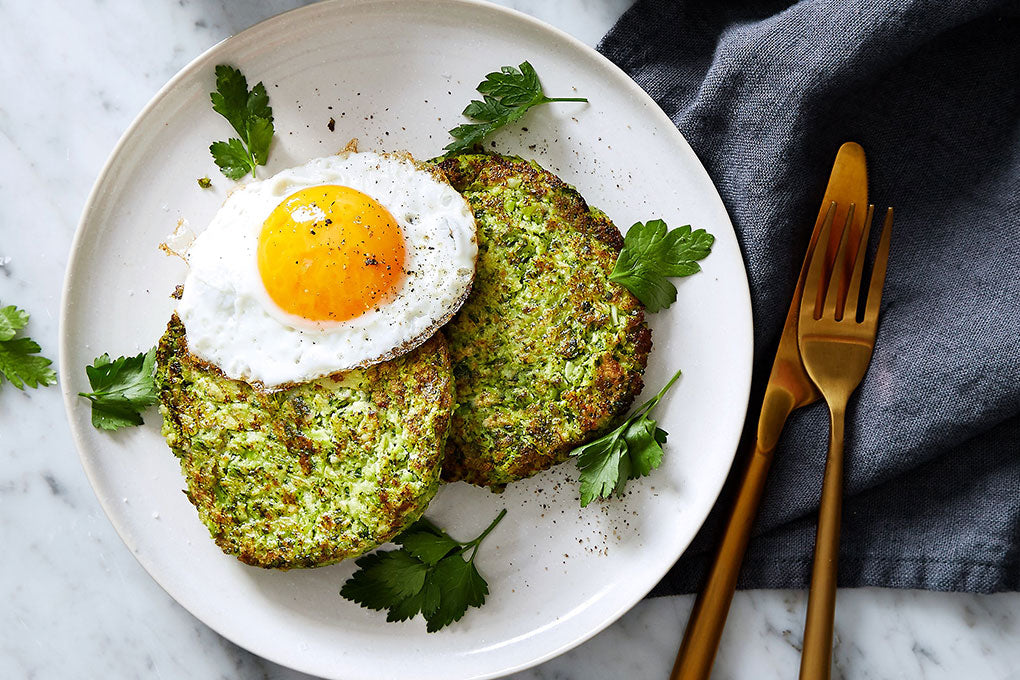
x=547, y=352
x=314, y=473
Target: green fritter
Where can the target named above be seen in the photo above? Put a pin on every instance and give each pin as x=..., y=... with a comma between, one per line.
x=547, y=352
x=311, y=474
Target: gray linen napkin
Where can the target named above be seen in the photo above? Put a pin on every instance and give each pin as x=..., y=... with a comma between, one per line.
x=765, y=93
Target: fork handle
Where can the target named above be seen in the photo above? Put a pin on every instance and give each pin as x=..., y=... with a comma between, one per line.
x=816, y=659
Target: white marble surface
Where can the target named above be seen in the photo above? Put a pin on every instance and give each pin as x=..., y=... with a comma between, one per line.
x=77, y=605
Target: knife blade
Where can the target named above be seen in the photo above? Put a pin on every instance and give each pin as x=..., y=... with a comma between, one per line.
x=788, y=388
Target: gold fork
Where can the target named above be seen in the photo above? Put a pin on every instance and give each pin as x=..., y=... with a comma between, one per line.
x=836, y=349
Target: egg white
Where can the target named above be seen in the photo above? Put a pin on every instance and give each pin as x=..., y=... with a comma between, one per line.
x=232, y=322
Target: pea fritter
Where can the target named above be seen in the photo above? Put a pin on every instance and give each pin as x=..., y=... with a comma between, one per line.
x=314, y=473
x=547, y=352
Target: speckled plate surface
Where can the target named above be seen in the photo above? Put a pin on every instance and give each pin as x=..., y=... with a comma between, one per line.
x=396, y=75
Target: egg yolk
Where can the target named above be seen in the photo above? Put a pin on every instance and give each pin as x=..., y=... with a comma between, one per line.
x=330, y=253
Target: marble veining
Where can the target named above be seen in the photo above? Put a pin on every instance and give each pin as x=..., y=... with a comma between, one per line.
x=77, y=605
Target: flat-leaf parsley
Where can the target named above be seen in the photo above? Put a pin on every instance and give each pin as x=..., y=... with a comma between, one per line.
x=19, y=359
x=121, y=389
x=507, y=95
x=652, y=253
x=428, y=574
x=249, y=113
x=630, y=451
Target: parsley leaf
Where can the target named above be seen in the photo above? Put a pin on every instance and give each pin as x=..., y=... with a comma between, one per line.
x=230, y=99
x=428, y=575
x=602, y=466
x=651, y=253
x=630, y=451
x=12, y=320
x=385, y=577
x=251, y=117
x=260, y=134
x=232, y=158
x=426, y=542
x=507, y=95
x=460, y=586
x=19, y=360
x=122, y=389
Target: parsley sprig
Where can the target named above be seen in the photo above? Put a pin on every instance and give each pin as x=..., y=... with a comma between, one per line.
x=429, y=574
x=249, y=113
x=19, y=359
x=507, y=95
x=630, y=451
x=121, y=389
x=652, y=253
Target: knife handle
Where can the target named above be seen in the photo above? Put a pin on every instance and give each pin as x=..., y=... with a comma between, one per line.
x=705, y=626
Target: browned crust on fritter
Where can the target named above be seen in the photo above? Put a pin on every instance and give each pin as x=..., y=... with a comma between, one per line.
x=541, y=183
x=493, y=440
x=285, y=418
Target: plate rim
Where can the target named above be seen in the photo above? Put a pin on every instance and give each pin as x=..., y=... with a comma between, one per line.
x=70, y=397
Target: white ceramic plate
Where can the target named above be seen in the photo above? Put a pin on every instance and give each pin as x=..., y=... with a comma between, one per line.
x=396, y=74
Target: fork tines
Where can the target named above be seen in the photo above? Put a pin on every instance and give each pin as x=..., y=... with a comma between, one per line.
x=832, y=306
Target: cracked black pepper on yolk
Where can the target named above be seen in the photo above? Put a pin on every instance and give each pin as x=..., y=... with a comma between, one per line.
x=319, y=253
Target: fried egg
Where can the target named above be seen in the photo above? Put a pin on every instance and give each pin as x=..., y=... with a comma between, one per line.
x=337, y=264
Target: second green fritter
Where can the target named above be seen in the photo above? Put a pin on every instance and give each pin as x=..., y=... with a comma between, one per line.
x=314, y=473
x=547, y=352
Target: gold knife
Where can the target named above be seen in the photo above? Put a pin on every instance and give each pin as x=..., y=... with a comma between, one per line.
x=789, y=388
